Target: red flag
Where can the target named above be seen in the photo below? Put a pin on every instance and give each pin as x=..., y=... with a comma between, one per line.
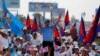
x=93, y=30
x=82, y=33
x=66, y=20
x=34, y=26
x=28, y=22
x=56, y=33
x=74, y=25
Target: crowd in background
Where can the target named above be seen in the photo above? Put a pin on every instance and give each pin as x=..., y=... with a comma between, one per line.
x=43, y=43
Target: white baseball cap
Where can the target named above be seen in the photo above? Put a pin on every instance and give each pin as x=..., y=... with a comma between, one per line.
x=75, y=43
x=67, y=30
x=76, y=46
x=94, y=43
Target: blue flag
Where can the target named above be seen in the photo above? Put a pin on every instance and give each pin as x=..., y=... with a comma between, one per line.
x=15, y=29
x=1, y=24
x=19, y=24
x=15, y=25
x=4, y=13
x=98, y=28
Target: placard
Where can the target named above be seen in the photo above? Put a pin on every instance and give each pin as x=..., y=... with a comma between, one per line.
x=56, y=12
x=42, y=6
x=11, y=3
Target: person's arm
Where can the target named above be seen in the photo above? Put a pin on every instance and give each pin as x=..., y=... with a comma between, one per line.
x=40, y=23
x=53, y=26
x=97, y=51
x=58, y=19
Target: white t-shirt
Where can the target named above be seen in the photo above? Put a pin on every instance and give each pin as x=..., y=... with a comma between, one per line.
x=5, y=43
x=69, y=51
x=9, y=39
x=40, y=37
x=92, y=53
x=74, y=55
x=28, y=54
x=67, y=39
x=31, y=37
x=35, y=42
x=38, y=40
x=56, y=53
x=64, y=54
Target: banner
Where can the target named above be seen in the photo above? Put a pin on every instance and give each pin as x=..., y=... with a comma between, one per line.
x=42, y=6
x=11, y=3
x=56, y=12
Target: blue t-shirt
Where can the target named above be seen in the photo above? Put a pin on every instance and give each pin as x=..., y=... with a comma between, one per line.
x=48, y=33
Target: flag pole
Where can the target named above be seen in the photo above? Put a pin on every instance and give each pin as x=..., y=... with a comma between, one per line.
x=43, y=15
x=83, y=14
x=50, y=7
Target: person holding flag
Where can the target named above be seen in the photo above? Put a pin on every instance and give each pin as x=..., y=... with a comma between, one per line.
x=48, y=38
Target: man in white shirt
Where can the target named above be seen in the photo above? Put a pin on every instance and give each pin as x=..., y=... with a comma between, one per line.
x=67, y=38
x=37, y=39
x=93, y=49
x=69, y=50
x=4, y=40
x=5, y=43
x=63, y=51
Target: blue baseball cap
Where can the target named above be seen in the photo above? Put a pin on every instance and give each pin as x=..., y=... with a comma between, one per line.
x=47, y=20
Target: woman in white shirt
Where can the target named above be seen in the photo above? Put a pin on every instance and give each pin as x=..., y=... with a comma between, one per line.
x=75, y=51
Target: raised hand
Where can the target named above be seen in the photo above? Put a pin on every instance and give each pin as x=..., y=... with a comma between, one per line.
x=60, y=15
